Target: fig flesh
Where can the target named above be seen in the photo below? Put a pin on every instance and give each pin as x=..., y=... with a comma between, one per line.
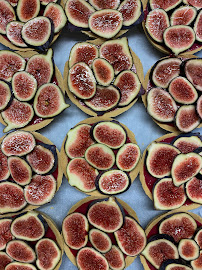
x=106, y=215
x=131, y=237
x=7, y=14
x=100, y=240
x=5, y=95
x=106, y=23
x=5, y=232
x=103, y=71
x=4, y=171
x=195, y=3
x=164, y=5
x=97, y=4
x=129, y=85
x=198, y=238
x=131, y=11
x=28, y=227
x=74, y=229
x=188, y=249
x=184, y=15
x=13, y=33
x=197, y=264
x=20, y=266
x=194, y=190
x=27, y=10
x=160, y=105
x=187, y=144
x=115, y=258
x=193, y=71
x=198, y=27
x=4, y=260
x=199, y=107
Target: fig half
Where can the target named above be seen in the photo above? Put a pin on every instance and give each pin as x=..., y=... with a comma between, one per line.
x=7, y=14
x=174, y=265
x=187, y=144
x=100, y=240
x=103, y=71
x=97, y=4
x=5, y=95
x=198, y=238
x=199, y=107
x=131, y=11
x=164, y=5
x=115, y=258
x=4, y=259
x=193, y=71
x=27, y=10
x=5, y=232
x=20, y=266
x=197, y=264
x=183, y=15
x=198, y=27
x=188, y=249
x=13, y=33
x=195, y=3
x=4, y=171
x=194, y=190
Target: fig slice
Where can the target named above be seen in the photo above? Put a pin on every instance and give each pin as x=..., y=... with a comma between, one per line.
x=195, y=3
x=186, y=118
x=187, y=144
x=106, y=215
x=104, y=4
x=198, y=27
x=7, y=14
x=78, y=12
x=41, y=190
x=113, y=182
x=48, y=254
x=110, y=133
x=81, y=174
x=4, y=260
x=165, y=70
x=10, y=63
x=183, y=15
x=167, y=196
x=74, y=229
x=184, y=167
x=81, y=81
x=4, y=171
x=46, y=2
x=197, y=264
x=100, y=240
x=115, y=258
x=182, y=91
x=106, y=23
x=103, y=71
x=38, y=32
x=78, y=140
x=160, y=105
x=129, y=84
x=131, y=237
x=100, y=156
x=131, y=11
x=199, y=107
x=174, y=265
x=117, y=53
x=20, y=171
x=88, y=258
x=198, y=238
x=20, y=251
x=83, y=52
x=193, y=71
x=164, y=5
x=27, y=9
x=18, y=143
x=56, y=13
x=49, y=101
x=28, y=226
x=160, y=158
x=13, y=33
x=24, y=86
x=5, y=232
x=20, y=266
x=188, y=249
x=17, y=115
x=179, y=38
x=194, y=190
x=156, y=23
x=5, y=95
x=41, y=67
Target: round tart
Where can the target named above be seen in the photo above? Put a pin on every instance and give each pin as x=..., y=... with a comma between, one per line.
x=31, y=171
x=100, y=156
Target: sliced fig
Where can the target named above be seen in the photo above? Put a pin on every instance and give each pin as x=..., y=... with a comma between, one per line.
x=20, y=266
x=179, y=38
x=197, y=264
x=83, y=52
x=17, y=115
x=10, y=63
x=131, y=237
x=7, y=14
x=131, y=11
x=13, y=33
x=110, y=133
x=18, y=143
x=106, y=215
x=113, y=182
x=48, y=254
x=198, y=238
x=156, y=23
x=78, y=12
x=188, y=249
x=4, y=171
x=160, y=105
x=27, y=10
x=199, y=107
x=49, y=101
x=41, y=189
x=198, y=27
x=182, y=91
x=106, y=23
x=41, y=67
x=5, y=95
x=100, y=156
x=194, y=190
x=115, y=258
x=167, y=196
x=129, y=85
x=104, y=4
x=183, y=15
x=174, y=265
x=28, y=227
x=20, y=251
x=74, y=229
x=38, y=32
x=193, y=71
x=165, y=70
x=100, y=240
x=20, y=171
x=88, y=258
x=24, y=86
x=81, y=174
x=195, y=3
x=187, y=144
x=103, y=71
x=178, y=226
x=81, y=81
x=117, y=53
x=164, y=5
x=186, y=118
x=46, y=2
x=56, y=13
x=4, y=260
x=5, y=233
x=160, y=159
x=105, y=99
